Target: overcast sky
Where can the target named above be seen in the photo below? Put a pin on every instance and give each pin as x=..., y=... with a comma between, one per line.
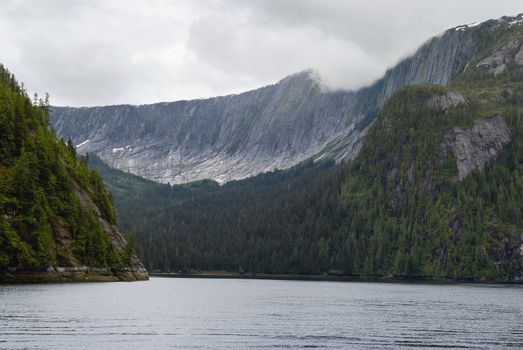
x=99, y=52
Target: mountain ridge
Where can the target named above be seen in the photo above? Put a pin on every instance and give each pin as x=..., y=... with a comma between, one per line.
x=273, y=127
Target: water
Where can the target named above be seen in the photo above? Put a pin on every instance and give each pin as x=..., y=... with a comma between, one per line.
x=166, y=313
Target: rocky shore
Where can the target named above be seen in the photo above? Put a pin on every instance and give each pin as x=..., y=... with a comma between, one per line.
x=73, y=274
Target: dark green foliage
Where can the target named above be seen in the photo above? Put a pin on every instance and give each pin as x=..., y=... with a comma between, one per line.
x=92, y=246
x=39, y=183
x=268, y=223
x=129, y=251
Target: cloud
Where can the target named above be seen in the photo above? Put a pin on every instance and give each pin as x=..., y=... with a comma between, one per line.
x=136, y=51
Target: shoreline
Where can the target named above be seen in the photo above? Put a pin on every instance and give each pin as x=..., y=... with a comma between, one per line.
x=328, y=278
x=72, y=275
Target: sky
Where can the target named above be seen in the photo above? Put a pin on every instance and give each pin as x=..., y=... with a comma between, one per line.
x=102, y=52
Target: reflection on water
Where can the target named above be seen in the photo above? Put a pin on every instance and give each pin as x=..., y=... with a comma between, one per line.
x=240, y=314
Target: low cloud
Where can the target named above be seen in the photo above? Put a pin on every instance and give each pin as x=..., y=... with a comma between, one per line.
x=135, y=51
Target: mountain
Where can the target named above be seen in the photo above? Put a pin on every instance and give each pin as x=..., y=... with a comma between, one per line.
x=57, y=221
x=274, y=127
x=436, y=190
x=221, y=138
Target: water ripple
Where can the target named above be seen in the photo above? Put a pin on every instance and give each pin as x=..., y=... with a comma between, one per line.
x=234, y=314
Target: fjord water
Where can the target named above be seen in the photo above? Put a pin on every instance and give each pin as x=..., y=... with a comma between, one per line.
x=166, y=313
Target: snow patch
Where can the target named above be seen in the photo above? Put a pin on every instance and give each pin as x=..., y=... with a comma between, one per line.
x=121, y=149
x=82, y=143
x=466, y=26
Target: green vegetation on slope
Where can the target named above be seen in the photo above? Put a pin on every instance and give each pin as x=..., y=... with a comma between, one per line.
x=42, y=220
x=406, y=213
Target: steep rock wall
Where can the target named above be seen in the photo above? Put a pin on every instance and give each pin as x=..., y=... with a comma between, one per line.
x=476, y=147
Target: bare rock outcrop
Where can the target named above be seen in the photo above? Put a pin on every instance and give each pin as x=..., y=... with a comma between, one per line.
x=518, y=59
x=446, y=101
x=477, y=147
x=497, y=62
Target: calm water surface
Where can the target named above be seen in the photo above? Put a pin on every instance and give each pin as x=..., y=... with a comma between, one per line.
x=166, y=313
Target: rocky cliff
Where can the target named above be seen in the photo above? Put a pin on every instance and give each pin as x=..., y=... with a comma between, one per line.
x=277, y=126
x=477, y=147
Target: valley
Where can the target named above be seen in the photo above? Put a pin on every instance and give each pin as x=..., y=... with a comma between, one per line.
x=433, y=193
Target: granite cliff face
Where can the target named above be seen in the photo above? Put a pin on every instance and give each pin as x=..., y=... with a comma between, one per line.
x=222, y=138
x=277, y=126
x=478, y=146
x=446, y=101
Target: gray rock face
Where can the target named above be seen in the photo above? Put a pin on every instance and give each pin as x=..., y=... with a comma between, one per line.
x=446, y=101
x=497, y=62
x=477, y=147
x=277, y=126
x=221, y=138
x=518, y=59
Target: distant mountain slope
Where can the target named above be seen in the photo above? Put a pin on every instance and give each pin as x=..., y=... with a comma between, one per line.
x=57, y=222
x=277, y=126
x=220, y=138
x=435, y=192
